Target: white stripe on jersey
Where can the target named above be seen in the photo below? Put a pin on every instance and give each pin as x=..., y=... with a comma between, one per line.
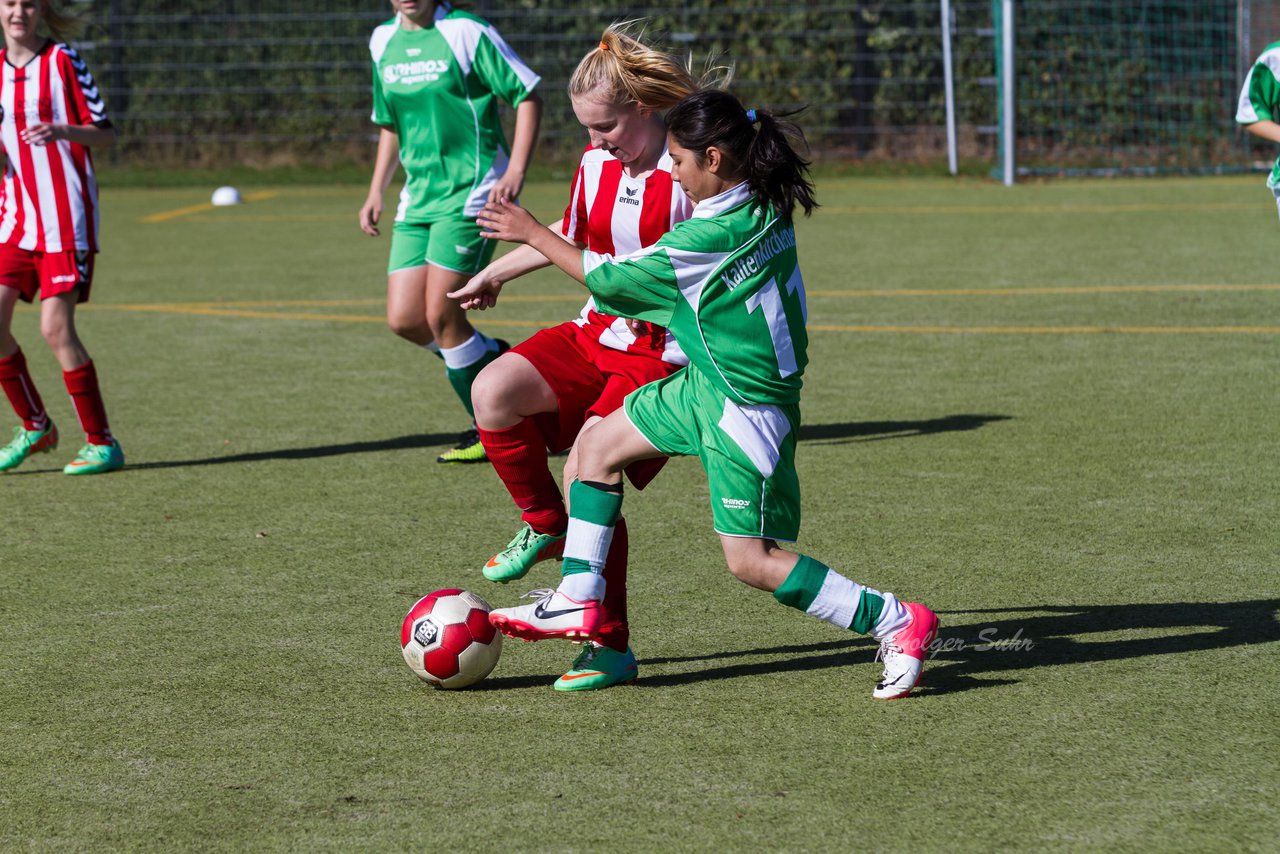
x=628, y=213
x=12, y=197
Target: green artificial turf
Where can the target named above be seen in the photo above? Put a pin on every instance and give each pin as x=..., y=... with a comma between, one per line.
x=1048, y=411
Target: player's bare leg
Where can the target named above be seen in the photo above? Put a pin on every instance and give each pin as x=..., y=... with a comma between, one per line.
x=36, y=434
x=101, y=452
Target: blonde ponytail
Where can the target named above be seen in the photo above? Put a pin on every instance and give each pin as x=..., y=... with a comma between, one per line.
x=625, y=70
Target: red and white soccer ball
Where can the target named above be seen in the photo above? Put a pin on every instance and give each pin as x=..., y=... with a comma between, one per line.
x=447, y=639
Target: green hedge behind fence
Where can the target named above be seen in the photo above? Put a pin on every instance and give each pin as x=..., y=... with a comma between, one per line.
x=266, y=82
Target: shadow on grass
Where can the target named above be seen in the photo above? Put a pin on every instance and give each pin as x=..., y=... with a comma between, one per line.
x=865, y=431
x=1051, y=635
x=875, y=431
x=399, y=443
x=979, y=653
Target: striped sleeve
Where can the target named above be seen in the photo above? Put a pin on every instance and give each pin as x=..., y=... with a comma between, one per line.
x=85, y=102
x=574, y=225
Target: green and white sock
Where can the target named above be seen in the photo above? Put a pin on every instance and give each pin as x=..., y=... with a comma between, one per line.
x=594, y=509
x=822, y=592
x=462, y=364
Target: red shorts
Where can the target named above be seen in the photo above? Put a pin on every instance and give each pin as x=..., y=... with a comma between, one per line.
x=47, y=273
x=587, y=379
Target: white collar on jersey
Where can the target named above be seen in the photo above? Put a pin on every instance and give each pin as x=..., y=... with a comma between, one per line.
x=727, y=200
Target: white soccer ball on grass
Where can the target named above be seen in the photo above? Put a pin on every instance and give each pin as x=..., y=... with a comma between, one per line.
x=226, y=196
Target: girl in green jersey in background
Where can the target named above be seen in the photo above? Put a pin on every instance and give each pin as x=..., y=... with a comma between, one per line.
x=438, y=75
x=1259, y=106
x=727, y=283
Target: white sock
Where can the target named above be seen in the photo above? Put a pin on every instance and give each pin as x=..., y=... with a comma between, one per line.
x=588, y=542
x=467, y=353
x=893, y=616
x=581, y=586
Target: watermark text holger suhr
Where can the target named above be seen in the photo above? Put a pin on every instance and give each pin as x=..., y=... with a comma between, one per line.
x=988, y=641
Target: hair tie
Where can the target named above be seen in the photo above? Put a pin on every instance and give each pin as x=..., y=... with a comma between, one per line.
x=603, y=46
x=751, y=116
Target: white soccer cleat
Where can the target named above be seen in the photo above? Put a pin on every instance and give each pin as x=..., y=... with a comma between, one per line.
x=903, y=653
x=554, y=615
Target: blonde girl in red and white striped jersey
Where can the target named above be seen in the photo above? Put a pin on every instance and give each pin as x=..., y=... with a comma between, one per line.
x=541, y=394
x=51, y=114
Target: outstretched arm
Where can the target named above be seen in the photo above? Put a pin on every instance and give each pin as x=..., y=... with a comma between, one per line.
x=508, y=221
x=482, y=290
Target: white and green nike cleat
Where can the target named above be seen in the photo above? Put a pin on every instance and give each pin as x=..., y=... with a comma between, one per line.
x=96, y=459
x=25, y=443
x=598, y=666
x=528, y=547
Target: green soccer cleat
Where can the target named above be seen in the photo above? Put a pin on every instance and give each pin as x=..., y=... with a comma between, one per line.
x=25, y=443
x=468, y=449
x=522, y=553
x=598, y=667
x=96, y=459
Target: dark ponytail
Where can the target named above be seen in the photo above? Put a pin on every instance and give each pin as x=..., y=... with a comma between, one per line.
x=765, y=155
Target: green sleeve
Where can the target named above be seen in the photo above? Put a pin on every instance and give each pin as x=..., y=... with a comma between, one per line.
x=382, y=114
x=502, y=71
x=642, y=286
x=1264, y=92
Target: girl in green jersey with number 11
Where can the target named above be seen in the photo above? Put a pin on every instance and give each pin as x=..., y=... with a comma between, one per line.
x=727, y=283
x=438, y=74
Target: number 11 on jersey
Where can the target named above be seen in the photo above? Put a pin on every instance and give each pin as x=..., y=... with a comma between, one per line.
x=776, y=317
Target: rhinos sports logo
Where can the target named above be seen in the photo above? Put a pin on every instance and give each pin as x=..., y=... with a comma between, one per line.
x=409, y=73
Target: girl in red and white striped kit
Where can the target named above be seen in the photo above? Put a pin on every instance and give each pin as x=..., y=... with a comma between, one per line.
x=51, y=114
x=543, y=392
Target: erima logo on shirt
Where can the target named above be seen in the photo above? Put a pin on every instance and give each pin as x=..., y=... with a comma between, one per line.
x=735, y=503
x=628, y=200
x=408, y=73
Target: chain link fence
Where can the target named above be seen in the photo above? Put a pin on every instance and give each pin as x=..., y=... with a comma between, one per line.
x=269, y=83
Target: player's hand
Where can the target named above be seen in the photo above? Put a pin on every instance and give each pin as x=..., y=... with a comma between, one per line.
x=507, y=221
x=508, y=187
x=42, y=133
x=370, y=213
x=479, y=293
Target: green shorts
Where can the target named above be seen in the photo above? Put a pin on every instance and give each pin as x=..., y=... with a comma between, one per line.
x=454, y=244
x=748, y=452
